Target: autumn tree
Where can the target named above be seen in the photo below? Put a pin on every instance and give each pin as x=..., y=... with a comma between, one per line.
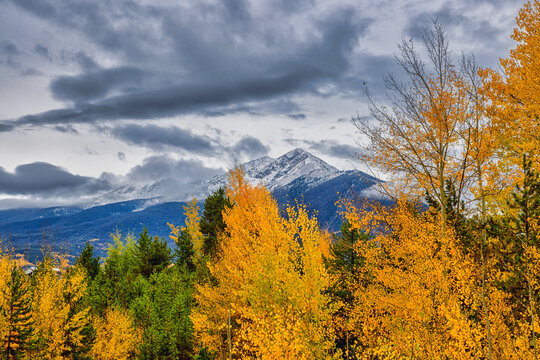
x=514, y=93
x=117, y=338
x=418, y=137
x=419, y=292
x=63, y=327
x=268, y=300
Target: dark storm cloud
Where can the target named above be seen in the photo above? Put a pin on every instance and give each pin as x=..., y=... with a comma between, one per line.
x=10, y=56
x=46, y=180
x=187, y=63
x=299, y=116
x=251, y=147
x=8, y=53
x=96, y=84
x=9, y=49
x=467, y=31
x=157, y=138
x=80, y=58
x=98, y=20
x=166, y=138
x=450, y=18
x=327, y=147
x=66, y=129
x=179, y=99
x=42, y=50
x=4, y=127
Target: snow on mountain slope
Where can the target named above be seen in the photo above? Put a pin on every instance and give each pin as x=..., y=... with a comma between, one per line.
x=125, y=193
x=276, y=174
x=279, y=173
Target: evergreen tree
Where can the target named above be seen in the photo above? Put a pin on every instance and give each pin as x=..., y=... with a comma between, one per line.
x=17, y=311
x=344, y=260
x=183, y=251
x=162, y=310
x=212, y=223
x=344, y=263
x=526, y=200
x=153, y=254
x=88, y=261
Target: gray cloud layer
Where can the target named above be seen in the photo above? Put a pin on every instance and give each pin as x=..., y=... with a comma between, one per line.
x=166, y=138
x=44, y=179
x=177, y=60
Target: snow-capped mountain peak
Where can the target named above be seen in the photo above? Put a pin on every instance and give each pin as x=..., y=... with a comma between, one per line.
x=280, y=172
x=274, y=173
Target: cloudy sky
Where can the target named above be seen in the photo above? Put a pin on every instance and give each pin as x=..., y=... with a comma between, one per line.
x=95, y=93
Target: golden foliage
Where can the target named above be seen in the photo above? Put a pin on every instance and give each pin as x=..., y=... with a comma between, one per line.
x=514, y=94
x=270, y=278
x=116, y=336
x=418, y=293
x=59, y=320
x=191, y=211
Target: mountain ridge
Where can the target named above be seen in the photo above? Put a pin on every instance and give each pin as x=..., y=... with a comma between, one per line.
x=295, y=176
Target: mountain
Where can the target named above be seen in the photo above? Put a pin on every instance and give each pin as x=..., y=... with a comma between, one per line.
x=282, y=172
x=294, y=176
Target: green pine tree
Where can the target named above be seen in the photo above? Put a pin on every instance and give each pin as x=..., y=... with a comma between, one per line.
x=526, y=200
x=88, y=261
x=211, y=223
x=183, y=251
x=17, y=311
x=153, y=254
x=345, y=263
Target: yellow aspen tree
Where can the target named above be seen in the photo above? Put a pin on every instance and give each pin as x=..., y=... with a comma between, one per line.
x=418, y=293
x=191, y=211
x=483, y=142
x=514, y=105
x=117, y=338
x=270, y=279
x=514, y=93
x=60, y=320
x=417, y=139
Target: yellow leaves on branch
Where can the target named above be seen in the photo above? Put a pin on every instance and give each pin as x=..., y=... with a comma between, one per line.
x=116, y=336
x=191, y=211
x=270, y=277
x=514, y=94
x=418, y=292
x=58, y=315
x=432, y=133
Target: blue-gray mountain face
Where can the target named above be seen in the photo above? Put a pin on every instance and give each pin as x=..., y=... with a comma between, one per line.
x=295, y=176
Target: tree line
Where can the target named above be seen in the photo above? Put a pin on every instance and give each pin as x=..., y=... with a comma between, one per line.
x=450, y=271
